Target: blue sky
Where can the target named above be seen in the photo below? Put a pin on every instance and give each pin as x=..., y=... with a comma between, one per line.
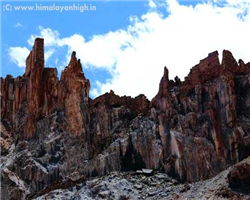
x=18, y=26
x=124, y=45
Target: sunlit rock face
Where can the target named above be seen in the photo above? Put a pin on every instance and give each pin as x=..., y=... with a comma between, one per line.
x=39, y=93
x=53, y=134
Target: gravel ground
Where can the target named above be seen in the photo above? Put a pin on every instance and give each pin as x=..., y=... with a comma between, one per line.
x=123, y=186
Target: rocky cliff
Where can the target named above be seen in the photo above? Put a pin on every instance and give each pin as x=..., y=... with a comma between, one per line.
x=53, y=135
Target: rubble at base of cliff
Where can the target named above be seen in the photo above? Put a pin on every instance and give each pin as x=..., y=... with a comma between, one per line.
x=131, y=185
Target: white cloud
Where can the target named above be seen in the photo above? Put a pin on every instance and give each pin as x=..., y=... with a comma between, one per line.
x=50, y=37
x=94, y=92
x=152, y=4
x=135, y=56
x=56, y=61
x=178, y=41
x=18, y=55
x=18, y=25
x=101, y=51
x=48, y=54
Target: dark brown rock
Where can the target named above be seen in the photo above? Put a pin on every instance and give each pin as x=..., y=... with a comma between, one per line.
x=5, y=138
x=239, y=175
x=164, y=84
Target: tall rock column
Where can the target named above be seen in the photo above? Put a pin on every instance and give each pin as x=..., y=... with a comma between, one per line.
x=76, y=88
x=34, y=73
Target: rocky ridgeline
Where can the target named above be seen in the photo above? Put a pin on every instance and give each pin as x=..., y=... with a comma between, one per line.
x=53, y=135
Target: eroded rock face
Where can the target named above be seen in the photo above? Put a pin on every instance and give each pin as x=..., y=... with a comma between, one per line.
x=52, y=132
x=200, y=120
x=76, y=96
x=5, y=139
x=39, y=93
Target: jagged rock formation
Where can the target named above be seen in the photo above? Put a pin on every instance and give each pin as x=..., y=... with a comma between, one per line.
x=205, y=118
x=52, y=133
x=39, y=93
